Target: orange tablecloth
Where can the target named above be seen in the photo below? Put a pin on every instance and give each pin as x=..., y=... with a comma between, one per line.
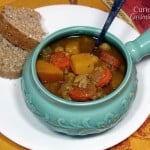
x=140, y=140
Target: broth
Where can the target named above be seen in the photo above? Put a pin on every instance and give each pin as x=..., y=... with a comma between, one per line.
x=68, y=69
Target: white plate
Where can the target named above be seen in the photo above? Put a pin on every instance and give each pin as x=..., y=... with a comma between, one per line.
x=19, y=124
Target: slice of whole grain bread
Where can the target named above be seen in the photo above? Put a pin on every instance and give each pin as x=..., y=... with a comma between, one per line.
x=12, y=59
x=21, y=26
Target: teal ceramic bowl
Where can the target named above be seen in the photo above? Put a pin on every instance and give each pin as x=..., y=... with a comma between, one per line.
x=83, y=118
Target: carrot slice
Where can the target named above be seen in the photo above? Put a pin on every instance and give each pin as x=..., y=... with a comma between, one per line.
x=110, y=59
x=60, y=60
x=82, y=94
x=104, y=76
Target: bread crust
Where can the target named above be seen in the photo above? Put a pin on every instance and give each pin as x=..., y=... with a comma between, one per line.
x=17, y=39
x=9, y=74
x=12, y=59
x=15, y=36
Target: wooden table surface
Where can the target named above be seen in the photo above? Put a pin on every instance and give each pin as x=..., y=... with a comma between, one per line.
x=140, y=140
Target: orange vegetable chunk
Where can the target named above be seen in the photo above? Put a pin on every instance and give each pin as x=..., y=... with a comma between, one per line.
x=60, y=60
x=104, y=78
x=72, y=47
x=110, y=59
x=82, y=94
x=48, y=72
x=83, y=63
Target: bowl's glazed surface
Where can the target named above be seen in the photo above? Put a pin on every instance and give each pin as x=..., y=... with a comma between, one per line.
x=78, y=118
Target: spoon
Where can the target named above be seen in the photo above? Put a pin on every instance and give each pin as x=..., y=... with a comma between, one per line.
x=113, y=13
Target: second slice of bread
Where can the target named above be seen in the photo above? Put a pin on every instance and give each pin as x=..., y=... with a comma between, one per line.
x=12, y=59
x=21, y=26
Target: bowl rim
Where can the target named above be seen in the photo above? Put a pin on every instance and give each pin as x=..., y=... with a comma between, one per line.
x=79, y=30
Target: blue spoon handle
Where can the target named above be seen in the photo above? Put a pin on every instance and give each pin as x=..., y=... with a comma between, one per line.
x=114, y=11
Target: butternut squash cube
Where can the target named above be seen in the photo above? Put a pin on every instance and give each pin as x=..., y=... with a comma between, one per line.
x=72, y=47
x=83, y=63
x=48, y=72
